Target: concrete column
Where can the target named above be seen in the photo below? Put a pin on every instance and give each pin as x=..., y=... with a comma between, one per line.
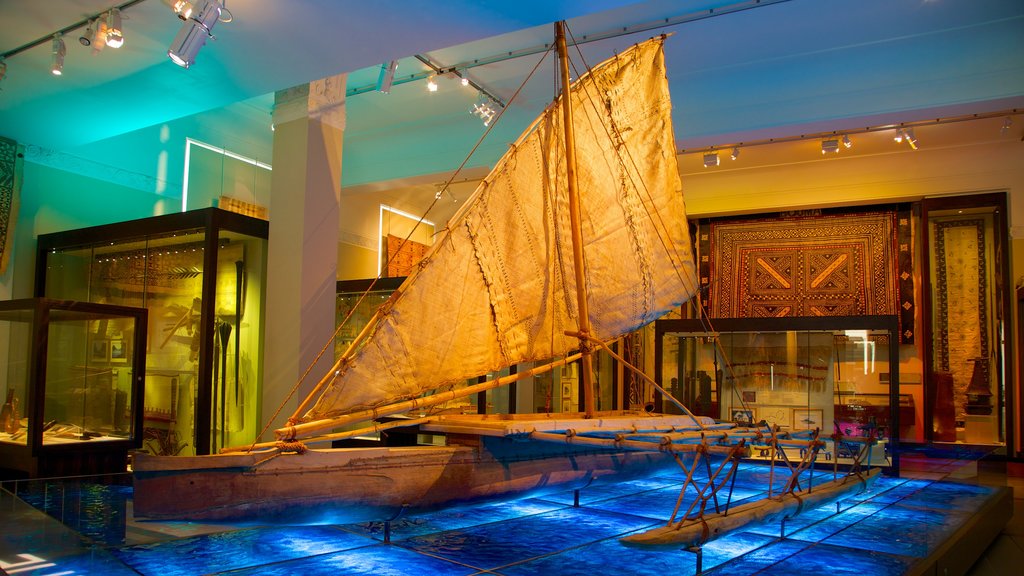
x=305, y=193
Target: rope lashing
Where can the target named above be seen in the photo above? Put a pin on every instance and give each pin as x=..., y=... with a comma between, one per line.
x=292, y=446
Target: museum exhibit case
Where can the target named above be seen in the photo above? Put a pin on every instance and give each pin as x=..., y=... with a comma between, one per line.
x=968, y=312
x=201, y=275
x=72, y=384
x=834, y=374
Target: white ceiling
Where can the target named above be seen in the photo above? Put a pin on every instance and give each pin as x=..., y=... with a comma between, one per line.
x=775, y=69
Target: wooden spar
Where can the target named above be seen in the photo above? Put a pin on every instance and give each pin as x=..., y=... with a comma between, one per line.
x=337, y=436
x=575, y=225
x=291, y=432
x=583, y=336
x=632, y=445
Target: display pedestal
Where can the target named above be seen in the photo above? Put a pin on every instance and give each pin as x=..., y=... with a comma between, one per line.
x=980, y=429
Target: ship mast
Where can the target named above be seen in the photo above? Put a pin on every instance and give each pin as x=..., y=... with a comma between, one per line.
x=586, y=360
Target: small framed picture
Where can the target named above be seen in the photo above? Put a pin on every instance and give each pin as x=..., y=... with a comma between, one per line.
x=100, y=350
x=118, y=352
x=742, y=416
x=807, y=418
x=749, y=396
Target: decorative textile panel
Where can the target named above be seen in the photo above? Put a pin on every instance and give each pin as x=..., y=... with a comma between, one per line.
x=961, y=291
x=842, y=265
x=402, y=257
x=8, y=199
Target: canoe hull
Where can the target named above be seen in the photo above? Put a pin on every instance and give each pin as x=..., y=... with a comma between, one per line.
x=363, y=484
x=698, y=533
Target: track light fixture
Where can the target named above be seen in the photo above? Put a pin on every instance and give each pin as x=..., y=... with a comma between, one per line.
x=57, y=52
x=909, y=135
x=830, y=145
x=898, y=137
x=181, y=8
x=3, y=68
x=86, y=38
x=431, y=84
x=711, y=159
x=115, y=36
x=1007, y=123
x=387, y=76
x=194, y=32
x=847, y=143
x=735, y=153
x=484, y=110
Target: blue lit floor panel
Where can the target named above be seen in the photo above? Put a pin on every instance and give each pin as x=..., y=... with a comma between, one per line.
x=885, y=530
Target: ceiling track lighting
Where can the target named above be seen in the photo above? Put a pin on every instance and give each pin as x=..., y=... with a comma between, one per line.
x=735, y=153
x=1007, y=123
x=830, y=145
x=86, y=38
x=847, y=143
x=432, y=84
x=484, y=110
x=387, y=76
x=194, y=32
x=115, y=35
x=181, y=8
x=711, y=159
x=57, y=55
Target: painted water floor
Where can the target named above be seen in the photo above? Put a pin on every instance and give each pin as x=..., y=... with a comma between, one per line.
x=81, y=527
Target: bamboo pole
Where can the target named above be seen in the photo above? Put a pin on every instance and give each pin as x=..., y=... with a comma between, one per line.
x=337, y=436
x=587, y=365
x=630, y=445
x=291, y=432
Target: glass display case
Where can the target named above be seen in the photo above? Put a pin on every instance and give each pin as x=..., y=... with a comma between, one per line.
x=201, y=275
x=838, y=375
x=72, y=385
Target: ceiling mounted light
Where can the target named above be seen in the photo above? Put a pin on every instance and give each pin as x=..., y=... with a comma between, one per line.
x=710, y=159
x=830, y=145
x=464, y=81
x=115, y=36
x=99, y=35
x=3, y=68
x=846, y=141
x=898, y=137
x=1007, y=122
x=387, y=76
x=431, y=84
x=181, y=8
x=58, y=52
x=194, y=32
x=86, y=38
x=735, y=153
x=484, y=111
x=909, y=133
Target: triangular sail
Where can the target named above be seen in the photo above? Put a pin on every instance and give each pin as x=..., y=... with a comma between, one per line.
x=497, y=289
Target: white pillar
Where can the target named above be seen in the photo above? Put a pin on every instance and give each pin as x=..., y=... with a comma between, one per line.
x=305, y=193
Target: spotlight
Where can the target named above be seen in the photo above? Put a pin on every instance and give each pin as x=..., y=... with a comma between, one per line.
x=830, y=145
x=59, y=50
x=194, y=32
x=735, y=153
x=909, y=133
x=86, y=38
x=710, y=159
x=431, y=84
x=1007, y=122
x=846, y=141
x=3, y=68
x=464, y=81
x=115, y=36
x=899, y=135
x=387, y=76
x=484, y=111
x=181, y=8
x=99, y=35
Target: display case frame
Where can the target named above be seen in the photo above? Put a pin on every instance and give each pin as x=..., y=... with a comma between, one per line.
x=206, y=428
x=722, y=326
x=37, y=457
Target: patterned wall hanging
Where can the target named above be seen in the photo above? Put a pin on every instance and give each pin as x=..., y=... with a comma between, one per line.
x=826, y=265
x=8, y=199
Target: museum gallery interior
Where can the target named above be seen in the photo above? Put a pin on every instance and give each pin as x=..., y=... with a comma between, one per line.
x=724, y=287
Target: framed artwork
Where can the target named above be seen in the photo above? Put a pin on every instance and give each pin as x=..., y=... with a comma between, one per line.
x=741, y=416
x=118, y=352
x=100, y=350
x=807, y=418
x=749, y=396
x=774, y=415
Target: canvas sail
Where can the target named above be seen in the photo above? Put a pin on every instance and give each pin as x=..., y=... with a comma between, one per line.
x=498, y=287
